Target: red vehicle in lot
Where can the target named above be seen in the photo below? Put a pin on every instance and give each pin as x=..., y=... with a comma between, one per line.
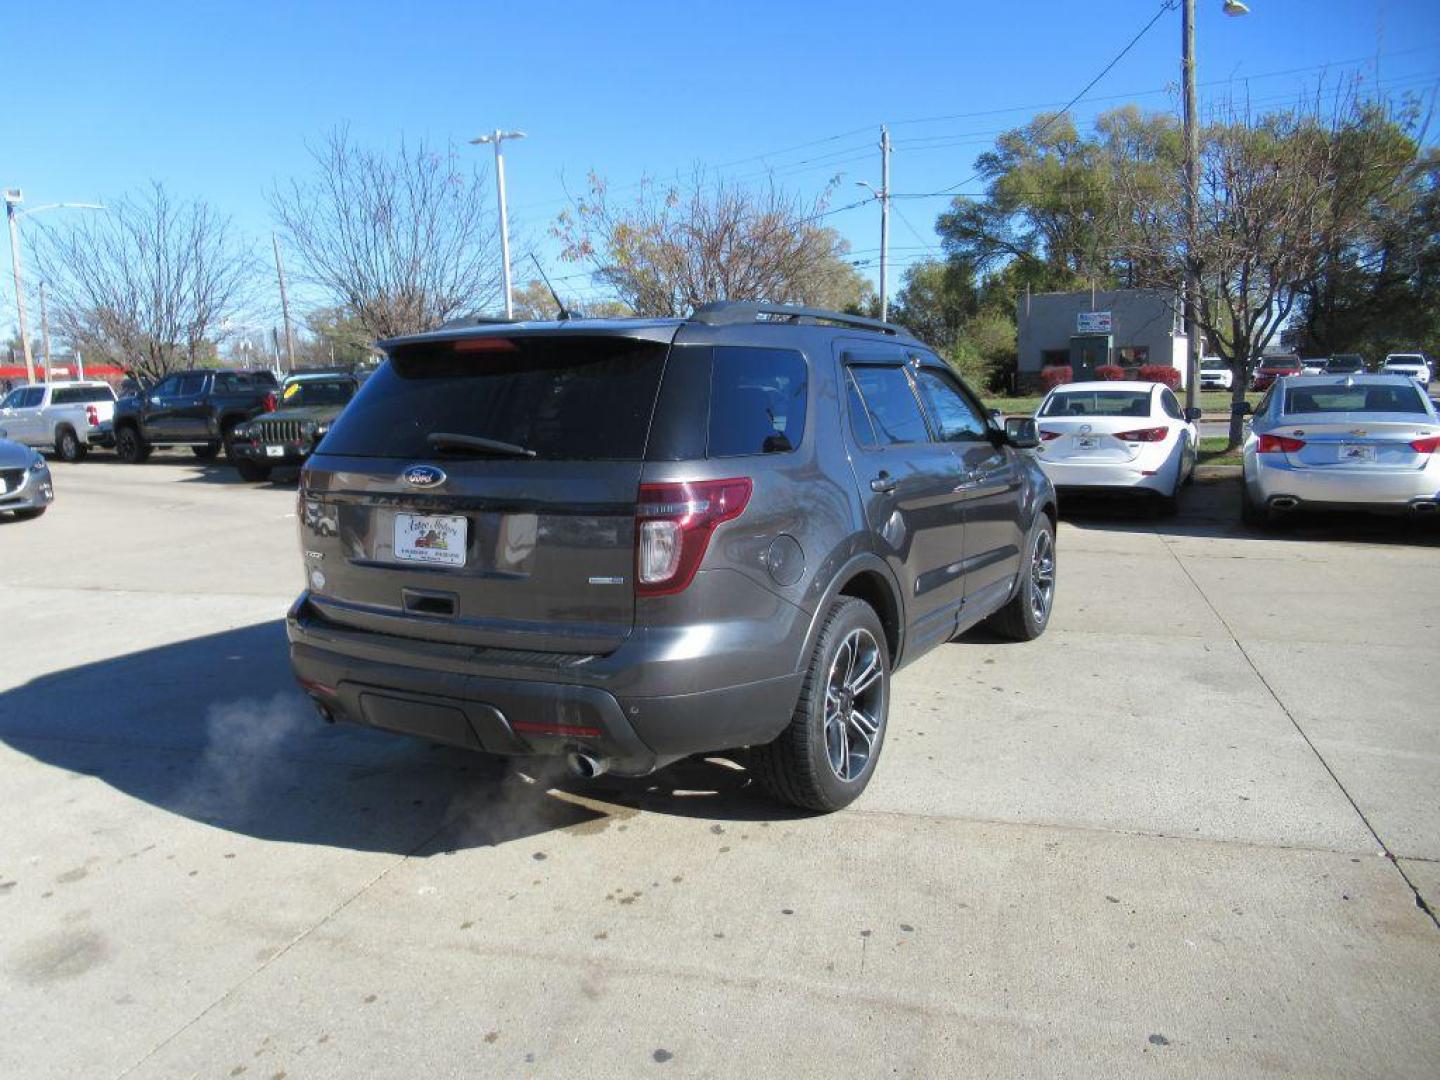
x=1271, y=369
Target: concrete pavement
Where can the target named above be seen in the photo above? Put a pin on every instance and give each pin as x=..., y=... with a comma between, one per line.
x=1182, y=832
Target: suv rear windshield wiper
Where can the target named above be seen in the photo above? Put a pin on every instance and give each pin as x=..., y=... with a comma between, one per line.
x=447, y=440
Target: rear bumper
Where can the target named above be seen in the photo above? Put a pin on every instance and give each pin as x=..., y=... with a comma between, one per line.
x=101, y=435
x=416, y=688
x=1118, y=478
x=1332, y=488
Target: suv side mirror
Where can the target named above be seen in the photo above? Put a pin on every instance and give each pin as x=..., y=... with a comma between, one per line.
x=1022, y=432
x=1194, y=413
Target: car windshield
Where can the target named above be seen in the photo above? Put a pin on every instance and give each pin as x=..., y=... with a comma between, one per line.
x=1214, y=365
x=1353, y=399
x=1098, y=403
x=303, y=393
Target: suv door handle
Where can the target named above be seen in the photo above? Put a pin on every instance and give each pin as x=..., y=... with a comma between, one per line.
x=883, y=483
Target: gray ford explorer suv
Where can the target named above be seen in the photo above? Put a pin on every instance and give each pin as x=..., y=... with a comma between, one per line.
x=628, y=541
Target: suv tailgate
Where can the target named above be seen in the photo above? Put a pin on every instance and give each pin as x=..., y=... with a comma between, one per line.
x=498, y=550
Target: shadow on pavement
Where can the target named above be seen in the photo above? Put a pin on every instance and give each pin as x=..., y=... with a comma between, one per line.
x=1211, y=508
x=200, y=471
x=213, y=729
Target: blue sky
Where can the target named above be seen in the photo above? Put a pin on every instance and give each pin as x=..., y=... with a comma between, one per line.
x=219, y=100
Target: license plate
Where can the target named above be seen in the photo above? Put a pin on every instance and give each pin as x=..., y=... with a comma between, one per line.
x=274, y=451
x=1356, y=452
x=1087, y=442
x=422, y=538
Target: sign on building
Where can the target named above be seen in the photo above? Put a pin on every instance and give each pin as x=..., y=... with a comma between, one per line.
x=1092, y=322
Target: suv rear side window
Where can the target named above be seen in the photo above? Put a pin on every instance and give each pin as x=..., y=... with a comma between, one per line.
x=885, y=398
x=566, y=398
x=757, y=401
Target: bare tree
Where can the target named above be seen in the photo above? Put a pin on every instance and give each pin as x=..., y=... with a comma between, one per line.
x=1275, y=195
x=676, y=247
x=151, y=283
x=404, y=240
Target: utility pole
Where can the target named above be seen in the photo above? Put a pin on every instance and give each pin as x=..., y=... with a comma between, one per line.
x=883, y=195
x=497, y=137
x=1192, y=196
x=284, y=303
x=13, y=198
x=45, y=333
x=884, y=222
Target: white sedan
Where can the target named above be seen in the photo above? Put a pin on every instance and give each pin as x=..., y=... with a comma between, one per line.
x=1118, y=438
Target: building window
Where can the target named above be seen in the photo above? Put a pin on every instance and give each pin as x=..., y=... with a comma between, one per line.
x=1055, y=357
x=1132, y=355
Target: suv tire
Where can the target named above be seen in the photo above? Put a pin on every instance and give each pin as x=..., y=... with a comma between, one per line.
x=206, y=452
x=1027, y=614
x=250, y=471
x=68, y=446
x=131, y=448
x=850, y=664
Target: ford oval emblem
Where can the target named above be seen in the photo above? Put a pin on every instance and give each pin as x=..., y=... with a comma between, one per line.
x=423, y=476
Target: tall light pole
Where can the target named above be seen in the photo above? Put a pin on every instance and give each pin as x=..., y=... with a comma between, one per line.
x=497, y=137
x=883, y=194
x=1192, y=192
x=13, y=198
x=284, y=302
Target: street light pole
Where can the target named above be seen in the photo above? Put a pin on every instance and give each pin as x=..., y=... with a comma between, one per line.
x=497, y=137
x=883, y=195
x=12, y=200
x=1192, y=196
x=45, y=332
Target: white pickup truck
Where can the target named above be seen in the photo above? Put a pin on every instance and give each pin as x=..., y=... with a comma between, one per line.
x=68, y=417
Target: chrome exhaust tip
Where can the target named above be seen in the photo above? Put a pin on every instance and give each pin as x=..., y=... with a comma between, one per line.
x=584, y=766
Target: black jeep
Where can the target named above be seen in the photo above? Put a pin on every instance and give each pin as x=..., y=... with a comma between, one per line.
x=308, y=404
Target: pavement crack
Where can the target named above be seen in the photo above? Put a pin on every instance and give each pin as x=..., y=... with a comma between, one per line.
x=1295, y=723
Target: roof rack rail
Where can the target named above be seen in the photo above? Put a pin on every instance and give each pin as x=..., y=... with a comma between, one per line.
x=732, y=312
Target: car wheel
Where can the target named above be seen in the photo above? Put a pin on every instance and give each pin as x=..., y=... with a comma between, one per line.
x=250, y=471
x=206, y=452
x=68, y=446
x=1027, y=614
x=824, y=759
x=130, y=447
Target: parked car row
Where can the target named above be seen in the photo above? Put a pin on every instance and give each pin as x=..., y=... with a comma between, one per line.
x=257, y=422
x=1415, y=365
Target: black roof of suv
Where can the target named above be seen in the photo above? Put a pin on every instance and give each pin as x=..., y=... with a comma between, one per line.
x=627, y=541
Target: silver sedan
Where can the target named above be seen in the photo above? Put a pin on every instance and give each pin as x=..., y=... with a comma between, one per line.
x=25, y=486
x=1342, y=442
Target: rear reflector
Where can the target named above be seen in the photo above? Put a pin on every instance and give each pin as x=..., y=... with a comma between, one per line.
x=673, y=523
x=541, y=727
x=1426, y=446
x=1279, y=444
x=316, y=687
x=1149, y=434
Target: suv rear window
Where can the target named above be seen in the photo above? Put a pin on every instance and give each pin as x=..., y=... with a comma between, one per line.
x=757, y=401
x=566, y=398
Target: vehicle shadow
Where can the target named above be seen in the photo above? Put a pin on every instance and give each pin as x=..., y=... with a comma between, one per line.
x=213, y=729
x=1211, y=508
x=199, y=470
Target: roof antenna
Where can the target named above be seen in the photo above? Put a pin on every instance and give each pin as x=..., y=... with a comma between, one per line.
x=565, y=313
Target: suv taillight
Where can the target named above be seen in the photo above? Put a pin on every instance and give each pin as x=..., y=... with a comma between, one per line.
x=673, y=523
